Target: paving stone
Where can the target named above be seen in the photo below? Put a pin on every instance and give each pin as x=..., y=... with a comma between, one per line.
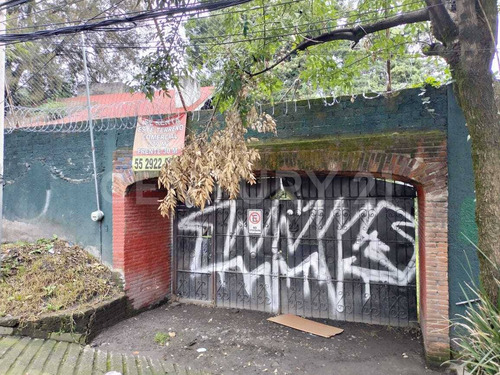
x=115, y=362
x=10, y=356
x=6, y=343
x=86, y=361
x=53, y=362
x=36, y=366
x=69, y=362
x=28, y=356
x=131, y=365
x=156, y=366
x=67, y=337
x=180, y=370
x=24, y=360
x=101, y=362
x=169, y=368
x=6, y=330
x=143, y=365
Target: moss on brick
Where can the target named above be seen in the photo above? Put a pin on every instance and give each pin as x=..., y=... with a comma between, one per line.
x=314, y=153
x=381, y=141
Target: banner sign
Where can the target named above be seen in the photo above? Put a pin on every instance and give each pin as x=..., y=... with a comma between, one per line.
x=156, y=140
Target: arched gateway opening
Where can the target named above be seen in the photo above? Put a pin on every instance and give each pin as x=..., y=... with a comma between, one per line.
x=335, y=247
x=346, y=251
x=141, y=241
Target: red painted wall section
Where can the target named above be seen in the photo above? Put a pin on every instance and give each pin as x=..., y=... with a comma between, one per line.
x=141, y=245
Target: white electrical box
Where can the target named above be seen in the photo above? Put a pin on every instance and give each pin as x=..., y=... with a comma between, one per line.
x=97, y=215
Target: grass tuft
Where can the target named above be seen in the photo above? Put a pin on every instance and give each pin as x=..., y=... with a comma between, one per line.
x=161, y=338
x=479, y=333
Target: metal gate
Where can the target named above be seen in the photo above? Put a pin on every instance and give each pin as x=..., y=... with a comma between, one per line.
x=329, y=247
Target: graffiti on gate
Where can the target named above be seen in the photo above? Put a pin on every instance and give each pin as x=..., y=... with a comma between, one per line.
x=359, y=251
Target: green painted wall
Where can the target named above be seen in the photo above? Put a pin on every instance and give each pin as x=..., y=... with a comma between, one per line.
x=463, y=260
x=50, y=189
x=403, y=111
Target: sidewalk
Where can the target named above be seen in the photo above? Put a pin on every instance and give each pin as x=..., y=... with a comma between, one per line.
x=27, y=356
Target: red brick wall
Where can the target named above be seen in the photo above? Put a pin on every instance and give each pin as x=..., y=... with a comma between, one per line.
x=141, y=238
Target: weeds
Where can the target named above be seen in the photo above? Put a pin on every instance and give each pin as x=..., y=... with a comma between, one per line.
x=479, y=340
x=479, y=333
x=50, y=275
x=161, y=338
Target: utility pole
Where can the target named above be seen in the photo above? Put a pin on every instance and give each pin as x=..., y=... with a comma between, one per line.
x=3, y=13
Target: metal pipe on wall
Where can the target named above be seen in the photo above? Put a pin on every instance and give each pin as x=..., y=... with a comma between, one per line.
x=97, y=215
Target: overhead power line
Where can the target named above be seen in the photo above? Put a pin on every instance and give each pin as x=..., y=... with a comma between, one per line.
x=292, y=30
x=12, y=3
x=37, y=76
x=53, y=9
x=199, y=15
x=107, y=25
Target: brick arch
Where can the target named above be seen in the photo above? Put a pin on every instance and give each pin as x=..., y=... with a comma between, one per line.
x=427, y=171
x=141, y=236
x=142, y=251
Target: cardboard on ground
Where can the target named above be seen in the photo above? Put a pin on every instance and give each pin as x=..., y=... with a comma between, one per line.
x=306, y=325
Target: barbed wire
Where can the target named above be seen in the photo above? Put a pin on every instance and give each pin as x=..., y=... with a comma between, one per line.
x=50, y=53
x=70, y=117
x=121, y=23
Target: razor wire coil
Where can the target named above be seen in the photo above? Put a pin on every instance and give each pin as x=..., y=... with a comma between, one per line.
x=74, y=119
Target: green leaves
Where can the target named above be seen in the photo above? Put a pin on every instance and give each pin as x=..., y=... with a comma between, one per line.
x=46, y=70
x=479, y=340
x=226, y=49
x=160, y=72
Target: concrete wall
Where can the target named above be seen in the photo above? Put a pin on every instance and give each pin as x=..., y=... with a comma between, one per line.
x=49, y=175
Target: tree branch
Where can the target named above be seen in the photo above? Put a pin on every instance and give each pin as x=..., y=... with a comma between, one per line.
x=162, y=40
x=444, y=28
x=450, y=54
x=354, y=34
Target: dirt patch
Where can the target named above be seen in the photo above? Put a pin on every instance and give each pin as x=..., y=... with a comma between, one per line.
x=244, y=342
x=51, y=275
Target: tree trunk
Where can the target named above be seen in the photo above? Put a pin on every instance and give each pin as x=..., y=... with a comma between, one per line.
x=476, y=97
x=471, y=69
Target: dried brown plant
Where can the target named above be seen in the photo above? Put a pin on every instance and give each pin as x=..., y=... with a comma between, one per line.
x=220, y=158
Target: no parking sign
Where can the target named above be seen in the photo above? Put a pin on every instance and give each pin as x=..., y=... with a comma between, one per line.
x=254, y=220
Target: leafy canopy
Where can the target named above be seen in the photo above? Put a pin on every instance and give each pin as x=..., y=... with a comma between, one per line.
x=225, y=49
x=250, y=49
x=46, y=70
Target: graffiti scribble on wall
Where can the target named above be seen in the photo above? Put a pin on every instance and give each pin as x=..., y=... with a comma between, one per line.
x=336, y=257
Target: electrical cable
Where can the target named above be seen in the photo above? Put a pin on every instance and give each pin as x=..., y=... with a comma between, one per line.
x=54, y=8
x=37, y=74
x=107, y=24
x=12, y=3
x=268, y=31
x=202, y=15
x=198, y=15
